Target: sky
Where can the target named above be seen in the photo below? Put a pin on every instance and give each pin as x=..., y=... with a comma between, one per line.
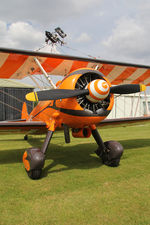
x=117, y=30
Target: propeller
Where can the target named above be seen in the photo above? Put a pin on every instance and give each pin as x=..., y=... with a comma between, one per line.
x=127, y=88
x=56, y=94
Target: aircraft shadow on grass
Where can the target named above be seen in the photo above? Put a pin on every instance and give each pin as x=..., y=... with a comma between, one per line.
x=77, y=156
x=80, y=156
x=135, y=143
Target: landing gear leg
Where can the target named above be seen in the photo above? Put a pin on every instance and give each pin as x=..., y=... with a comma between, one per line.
x=110, y=151
x=66, y=133
x=34, y=158
x=26, y=137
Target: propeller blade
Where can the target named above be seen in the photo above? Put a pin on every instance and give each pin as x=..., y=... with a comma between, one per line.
x=127, y=88
x=55, y=94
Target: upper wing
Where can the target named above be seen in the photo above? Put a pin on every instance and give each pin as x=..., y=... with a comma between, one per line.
x=18, y=64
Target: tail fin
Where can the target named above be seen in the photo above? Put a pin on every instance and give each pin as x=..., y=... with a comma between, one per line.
x=24, y=113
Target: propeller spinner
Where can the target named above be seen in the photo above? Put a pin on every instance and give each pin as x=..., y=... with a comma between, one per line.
x=98, y=90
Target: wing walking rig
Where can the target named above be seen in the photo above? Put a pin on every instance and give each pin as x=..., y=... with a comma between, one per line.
x=83, y=99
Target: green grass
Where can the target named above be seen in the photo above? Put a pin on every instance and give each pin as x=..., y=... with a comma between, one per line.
x=76, y=189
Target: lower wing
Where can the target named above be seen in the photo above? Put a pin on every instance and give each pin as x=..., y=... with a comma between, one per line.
x=22, y=126
x=124, y=121
x=35, y=127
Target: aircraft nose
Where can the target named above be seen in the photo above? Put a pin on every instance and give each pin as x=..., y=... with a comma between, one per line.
x=98, y=90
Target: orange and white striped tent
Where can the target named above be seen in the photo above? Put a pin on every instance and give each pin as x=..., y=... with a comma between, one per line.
x=17, y=64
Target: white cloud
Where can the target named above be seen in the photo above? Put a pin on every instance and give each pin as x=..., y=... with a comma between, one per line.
x=80, y=6
x=124, y=24
x=44, y=12
x=84, y=37
x=3, y=28
x=29, y=19
x=20, y=35
x=129, y=40
x=126, y=33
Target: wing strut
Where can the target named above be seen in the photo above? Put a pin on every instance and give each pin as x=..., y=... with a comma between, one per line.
x=45, y=74
x=36, y=83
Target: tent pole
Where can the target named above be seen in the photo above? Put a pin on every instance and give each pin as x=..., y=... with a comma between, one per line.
x=147, y=109
x=137, y=104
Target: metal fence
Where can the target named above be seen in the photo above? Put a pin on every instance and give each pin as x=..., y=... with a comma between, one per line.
x=11, y=101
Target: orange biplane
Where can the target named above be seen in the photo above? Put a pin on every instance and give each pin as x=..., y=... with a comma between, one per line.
x=80, y=101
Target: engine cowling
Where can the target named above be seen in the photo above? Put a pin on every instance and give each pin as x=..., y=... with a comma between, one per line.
x=86, y=111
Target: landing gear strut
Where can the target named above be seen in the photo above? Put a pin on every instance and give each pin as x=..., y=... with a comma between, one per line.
x=34, y=158
x=110, y=151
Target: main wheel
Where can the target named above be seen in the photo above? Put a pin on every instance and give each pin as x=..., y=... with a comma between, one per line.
x=33, y=160
x=112, y=154
x=35, y=174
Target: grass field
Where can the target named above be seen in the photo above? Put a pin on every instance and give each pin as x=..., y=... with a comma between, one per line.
x=76, y=189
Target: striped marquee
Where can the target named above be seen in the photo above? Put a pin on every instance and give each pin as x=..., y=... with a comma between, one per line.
x=17, y=64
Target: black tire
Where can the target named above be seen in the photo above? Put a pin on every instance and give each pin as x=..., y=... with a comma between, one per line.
x=35, y=174
x=111, y=156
